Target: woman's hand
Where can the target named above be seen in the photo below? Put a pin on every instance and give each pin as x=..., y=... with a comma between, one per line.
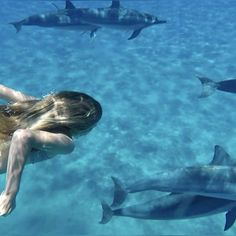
x=13, y=95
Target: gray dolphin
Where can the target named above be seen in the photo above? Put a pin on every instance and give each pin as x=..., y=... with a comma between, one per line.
x=209, y=86
x=174, y=205
x=60, y=19
x=207, y=180
x=118, y=17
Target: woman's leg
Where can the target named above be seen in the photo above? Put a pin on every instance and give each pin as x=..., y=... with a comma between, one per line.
x=23, y=141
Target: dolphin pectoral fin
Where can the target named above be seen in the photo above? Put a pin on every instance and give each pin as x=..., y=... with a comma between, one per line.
x=107, y=213
x=115, y=4
x=93, y=33
x=17, y=25
x=120, y=193
x=230, y=218
x=135, y=34
x=69, y=5
x=208, y=86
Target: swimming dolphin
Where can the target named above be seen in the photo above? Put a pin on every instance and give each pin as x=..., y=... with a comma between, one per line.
x=207, y=180
x=201, y=177
x=174, y=205
x=209, y=86
x=119, y=17
x=60, y=19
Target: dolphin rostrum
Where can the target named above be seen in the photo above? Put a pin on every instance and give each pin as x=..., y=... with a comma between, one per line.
x=60, y=19
x=118, y=17
x=209, y=86
x=174, y=205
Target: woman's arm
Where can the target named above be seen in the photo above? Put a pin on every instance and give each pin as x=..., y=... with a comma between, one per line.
x=13, y=95
x=23, y=141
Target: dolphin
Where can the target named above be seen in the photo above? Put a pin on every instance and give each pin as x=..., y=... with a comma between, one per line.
x=174, y=205
x=216, y=179
x=118, y=17
x=60, y=19
x=209, y=86
x=212, y=181
x=207, y=180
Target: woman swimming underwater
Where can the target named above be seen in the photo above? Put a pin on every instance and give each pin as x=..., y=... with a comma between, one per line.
x=33, y=130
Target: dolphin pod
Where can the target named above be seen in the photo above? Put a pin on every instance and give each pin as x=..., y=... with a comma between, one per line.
x=87, y=19
x=177, y=204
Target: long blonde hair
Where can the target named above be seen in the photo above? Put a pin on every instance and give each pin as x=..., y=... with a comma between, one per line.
x=75, y=111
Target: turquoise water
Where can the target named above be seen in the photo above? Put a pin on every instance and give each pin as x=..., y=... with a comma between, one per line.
x=152, y=118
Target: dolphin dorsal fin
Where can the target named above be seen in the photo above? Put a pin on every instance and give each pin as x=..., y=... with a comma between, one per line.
x=69, y=5
x=115, y=4
x=230, y=218
x=222, y=158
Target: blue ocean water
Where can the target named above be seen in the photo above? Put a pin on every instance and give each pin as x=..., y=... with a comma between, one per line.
x=152, y=118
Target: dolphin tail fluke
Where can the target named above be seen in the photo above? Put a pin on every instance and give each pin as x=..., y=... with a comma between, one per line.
x=17, y=25
x=208, y=86
x=107, y=213
x=120, y=193
x=230, y=218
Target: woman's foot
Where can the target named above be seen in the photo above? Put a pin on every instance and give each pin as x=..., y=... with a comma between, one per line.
x=6, y=204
